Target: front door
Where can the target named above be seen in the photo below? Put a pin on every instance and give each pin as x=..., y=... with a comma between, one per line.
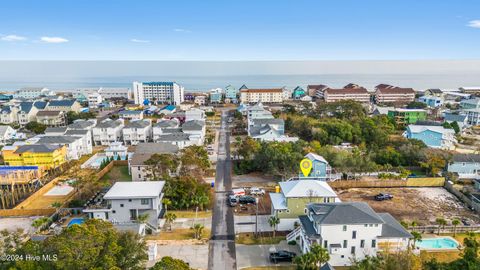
x=133, y=214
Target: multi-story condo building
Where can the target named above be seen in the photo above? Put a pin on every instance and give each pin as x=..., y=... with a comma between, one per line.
x=385, y=93
x=108, y=131
x=215, y=95
x=349, y=92
x=316, y=90
x=94, y=100
x=126, y=201
x=349, y=231
x=32, y=92
x=108, y=93
x=273, y=95
x=137, y=131
x=231, y=93
x=407, y=116
x=159, y=92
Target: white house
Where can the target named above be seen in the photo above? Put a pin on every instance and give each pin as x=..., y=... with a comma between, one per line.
x=126, y=201
x=137, y=131
x=194, y=114
x=349, y=230
x=7, y=133
x=165, y=126
x=108, y=131
x=131, y=115
x=196, y=129
x=94, y=99
x=75, y=146
x=85, y=139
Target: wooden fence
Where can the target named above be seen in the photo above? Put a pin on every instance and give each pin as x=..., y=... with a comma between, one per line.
x=37, y=194
x=26, y=212
x=410, y=182
x=110, y=165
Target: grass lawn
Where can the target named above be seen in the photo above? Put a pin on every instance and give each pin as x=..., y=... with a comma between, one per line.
x=249, y=239
x=440, y=256
x=116, y=174
x=178, y=234
x=191, y=214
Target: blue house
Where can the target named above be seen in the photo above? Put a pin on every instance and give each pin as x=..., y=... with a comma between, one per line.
x=431, y=101
x=298, y=93
x=231, y=93
x=216, y=95
x=320, y=167
x=466, y=166
x=432, y=136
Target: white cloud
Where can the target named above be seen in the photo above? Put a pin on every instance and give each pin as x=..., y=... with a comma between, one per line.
x=139, y=40
x=13, y=38
x=53, y=39
x=181, y=30
x=474, y=24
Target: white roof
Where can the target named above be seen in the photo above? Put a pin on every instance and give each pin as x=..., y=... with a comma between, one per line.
x=306, y=188
x=409, y=110
x=438, y=129
x=384, y=110
x=278, y=201
x=148, y=189
x=313, y=156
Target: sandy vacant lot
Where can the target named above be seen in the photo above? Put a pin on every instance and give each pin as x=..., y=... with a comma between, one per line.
x=421, y=204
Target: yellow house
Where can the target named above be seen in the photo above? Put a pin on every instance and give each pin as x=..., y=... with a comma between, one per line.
x=45, y=156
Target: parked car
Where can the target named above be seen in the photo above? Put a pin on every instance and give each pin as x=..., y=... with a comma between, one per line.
x=257, y=191
x=383, y=197
x=232, y=200
x=466, y=222
x=282, y=256
x=238, y=192
x=247, y=200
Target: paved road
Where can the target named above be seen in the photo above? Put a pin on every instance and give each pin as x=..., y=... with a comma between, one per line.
x=258, y=255
x=222, y=244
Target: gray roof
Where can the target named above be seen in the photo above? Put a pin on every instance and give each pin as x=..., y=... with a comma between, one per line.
x=171, y=130
x=138, y=124
x=174, y=137
x=327, y=266
x=166, y=123
x=37, y=148
x=76, y=132
x=392, y=228
x=460, y=118
x=61, y=103
x=193, y=125
x=308, y=227
x=49, y=113
x=138, y=159
x=55, y=130
x=109, y=124
x=271, y=121
x=344, y=213
x=81, y=124
x=57, y=139
x=3, y=130
x=468, y=158
x=160, y=148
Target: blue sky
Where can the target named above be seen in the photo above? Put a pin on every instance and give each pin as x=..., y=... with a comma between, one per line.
x=239, y=30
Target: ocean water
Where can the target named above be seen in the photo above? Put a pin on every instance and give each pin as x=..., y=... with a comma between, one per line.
x=201, y=76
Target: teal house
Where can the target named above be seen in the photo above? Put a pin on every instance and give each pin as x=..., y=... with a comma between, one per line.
x=298, y=93
x=432, y=136
x=231, y=93
x=320, y=167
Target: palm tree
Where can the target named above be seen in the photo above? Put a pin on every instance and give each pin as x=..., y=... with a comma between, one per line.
x=320, y=255
x=197, y=230
x=414, y=224
x=274, y=221
x=455, y=223
x=305, y=262
x=143, y=218
x=441, y=223
x=166, y=202
x=416, y=237
x=56, y=205
x=170, y=218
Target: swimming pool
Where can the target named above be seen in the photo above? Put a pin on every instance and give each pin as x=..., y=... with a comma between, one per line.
x=438, y=243
x=74, y=221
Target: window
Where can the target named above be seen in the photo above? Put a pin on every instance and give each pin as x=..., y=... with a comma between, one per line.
x=370, y=225
x=113, y=211
x=376, y=225
x=121, y=205
x=354, y=234
x=325, y=244
x=344, y=228
x=352, y=250
x=305, y=210
x=129, y=200
x=345, y=243
x=288, y=210
x=362, y=243
x=145, y=201
x=366, y=225
x=343, y=256
x=374, y=243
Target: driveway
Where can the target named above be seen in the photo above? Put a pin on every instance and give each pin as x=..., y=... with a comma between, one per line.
x=195, y=255
x=257, y=255
x=245, y=224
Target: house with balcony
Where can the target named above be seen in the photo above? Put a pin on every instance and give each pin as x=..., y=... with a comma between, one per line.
x=321, y=170
x=64, y=105
x=231, y=94
x=143, y=152
x=194, y=114
x=75, y=145
x=108, y=131
x=131, y=114
x=466, y=166
x=126, y=201
x=432, y=136
x=196, y=129
x=52, y=118
x=137, y=131
x=349, y=231
x=293, y=196
x=165, y=126
x=45, y=156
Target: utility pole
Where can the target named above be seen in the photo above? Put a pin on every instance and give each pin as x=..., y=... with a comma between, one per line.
x=256, y=217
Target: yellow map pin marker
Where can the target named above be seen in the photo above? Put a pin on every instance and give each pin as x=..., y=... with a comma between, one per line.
x=306, y=166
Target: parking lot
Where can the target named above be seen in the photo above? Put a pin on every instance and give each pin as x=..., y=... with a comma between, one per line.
x=257, y=255
x=423, y=205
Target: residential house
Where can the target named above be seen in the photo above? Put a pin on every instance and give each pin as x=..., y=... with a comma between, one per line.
x=137, y=131
x=64, y=105
x=381, y=110
x=349, y=231
x=349, y=92
x=126, y=201
x=55, y=131
x=470, y=90
x=169, y=109
x=231, y=94
x=473, y=103
x=293, y=197
x=407, y=116
x=460, y=118
x=473, y=116
x=298, y=93
x=465, y=166
x=108, y=131
x=432, y=136
x=432, y=101
x=7, y=134
x=143, y=152
x=200, y=100
x=117, y=149
x=385, y=93
x=45, y=156
x=320, y=167
x=164, y=127
x=51, y=118
x=94, y=100
x=215, y=95
x=194, y=114
x=196, y=129
x=76, y=147
x=316, y=90
x=273, y=95
x=434, y=92
x=179, y=139
x=86, y=140
x=267, y=129
x=131, y=115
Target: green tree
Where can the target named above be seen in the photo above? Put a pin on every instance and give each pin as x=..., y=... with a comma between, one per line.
x=169, y=219
x=273, y=221
x=441, y=222
x=320, y=255
x=198, y=230
x=143, y=218
x=416, y=237
x=455, y=223
x=166, y=202
x=416, y=105
x=35, y=127
x=169, y=263
x=368, y=263
x=305, y=262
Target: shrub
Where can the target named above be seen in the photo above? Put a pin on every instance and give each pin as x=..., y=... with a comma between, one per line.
x=292, y=242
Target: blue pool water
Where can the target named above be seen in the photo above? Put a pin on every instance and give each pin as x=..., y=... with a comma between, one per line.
x=75, y=221
x=437, y=243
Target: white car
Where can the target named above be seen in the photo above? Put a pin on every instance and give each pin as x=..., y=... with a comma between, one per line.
x=257, y=191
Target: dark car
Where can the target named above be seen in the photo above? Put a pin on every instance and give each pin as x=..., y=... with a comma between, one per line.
x=466, y=222
x=247, y=200
x=282, y=256
x=383, y=197
x=232, y=200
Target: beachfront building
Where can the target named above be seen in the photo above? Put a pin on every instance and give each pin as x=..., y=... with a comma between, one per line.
x=231, y=94
x=349, y=92
x=466, y=166
x=316, y=90
x=293, y=197
x=137, y=131
x=272, y=95
x=109, y=93
x=432, y=136
x=407, y=116
x=349, y=231
x=385, y=93
x=32, y=92
x=143, y=152
x=51, y=118
x=474, y=90
x=215, y=95
x=45, y=156
x=298, y=93
x=108, y=131
x=158, y=92
x=126, y=201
